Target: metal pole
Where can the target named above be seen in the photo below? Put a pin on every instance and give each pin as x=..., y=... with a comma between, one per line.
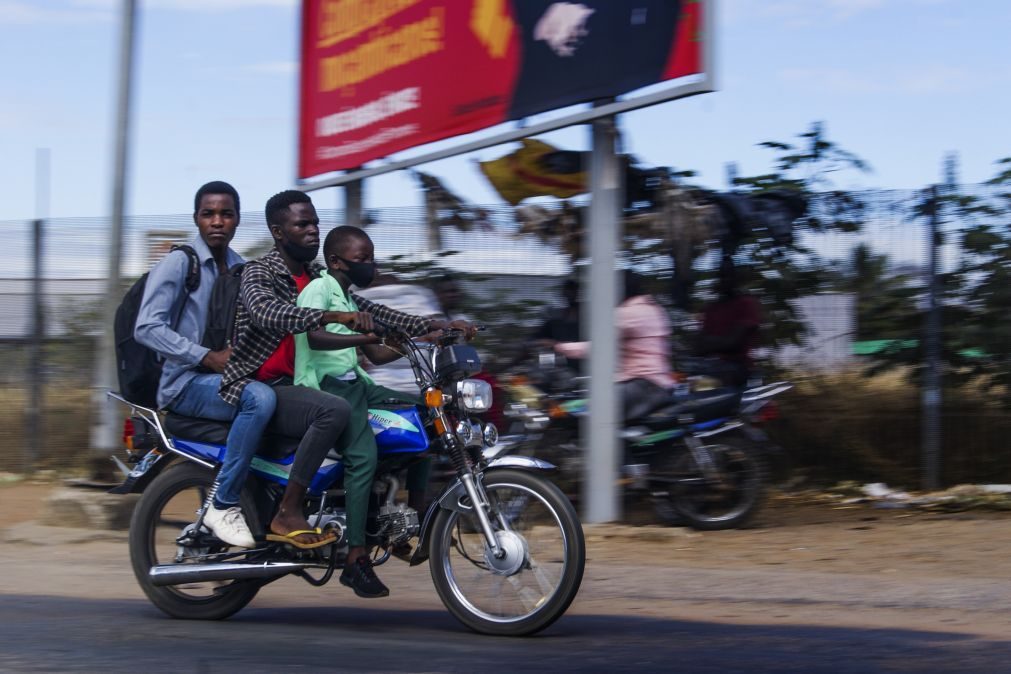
x=33, y=415
x=103, y=431
x=601, y=493
x=36, y=345
x=932, y=354
x=353, y=193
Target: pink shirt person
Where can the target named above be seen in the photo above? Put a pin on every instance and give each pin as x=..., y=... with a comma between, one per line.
x=644, y=336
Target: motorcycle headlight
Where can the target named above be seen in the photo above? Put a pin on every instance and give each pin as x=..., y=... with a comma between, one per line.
x=474, y=395
x=490, y=435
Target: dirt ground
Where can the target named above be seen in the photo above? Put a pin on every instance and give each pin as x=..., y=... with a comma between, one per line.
x=798, y=562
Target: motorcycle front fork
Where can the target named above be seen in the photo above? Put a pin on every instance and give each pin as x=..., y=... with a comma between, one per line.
x=473, y=487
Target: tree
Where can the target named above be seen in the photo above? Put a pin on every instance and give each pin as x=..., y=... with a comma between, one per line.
x=785, y=271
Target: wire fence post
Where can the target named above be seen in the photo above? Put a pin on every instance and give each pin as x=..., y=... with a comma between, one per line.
x=931, y=428
x=36, y=343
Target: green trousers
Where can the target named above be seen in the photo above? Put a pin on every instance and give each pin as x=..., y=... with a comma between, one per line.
x=357, y=445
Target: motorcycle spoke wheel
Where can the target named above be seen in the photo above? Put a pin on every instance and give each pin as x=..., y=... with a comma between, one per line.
x=536, y=580
x=167, y=510
x=723, y=498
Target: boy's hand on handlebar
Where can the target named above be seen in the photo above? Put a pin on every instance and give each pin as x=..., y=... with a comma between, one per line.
x=432, y=337
x=215, y=361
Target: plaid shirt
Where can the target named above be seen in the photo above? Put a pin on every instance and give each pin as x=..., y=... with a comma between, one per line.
x=266, y=314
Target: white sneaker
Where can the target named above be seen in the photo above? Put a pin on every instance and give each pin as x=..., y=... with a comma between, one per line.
x=230, y=526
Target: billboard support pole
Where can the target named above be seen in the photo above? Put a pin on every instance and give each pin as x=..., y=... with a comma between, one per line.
x=103, y=430
x=601, y=495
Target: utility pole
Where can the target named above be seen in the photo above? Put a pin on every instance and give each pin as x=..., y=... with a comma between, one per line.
x=601, y=494
x=103, y=431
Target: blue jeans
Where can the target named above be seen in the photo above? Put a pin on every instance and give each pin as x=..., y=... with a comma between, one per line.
x=256, y=406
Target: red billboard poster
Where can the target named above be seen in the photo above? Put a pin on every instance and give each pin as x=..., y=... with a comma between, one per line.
x=380, y=76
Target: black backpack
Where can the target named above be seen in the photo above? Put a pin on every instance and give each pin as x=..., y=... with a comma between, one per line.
x=138, y=367
x=221, y=311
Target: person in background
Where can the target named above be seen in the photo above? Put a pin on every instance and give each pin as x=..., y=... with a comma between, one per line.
x=450, y=296
x=644, y=370
x=730, y=327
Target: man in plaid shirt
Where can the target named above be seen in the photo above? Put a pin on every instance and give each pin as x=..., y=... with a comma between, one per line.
x=264, y=350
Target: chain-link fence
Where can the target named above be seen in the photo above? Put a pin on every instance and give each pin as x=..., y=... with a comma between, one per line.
x=835, y=423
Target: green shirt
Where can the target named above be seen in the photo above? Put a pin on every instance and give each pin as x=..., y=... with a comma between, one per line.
x=311, y=365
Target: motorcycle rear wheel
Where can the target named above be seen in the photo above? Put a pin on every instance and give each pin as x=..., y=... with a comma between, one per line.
x=547, y=556
x=168, y=506
x=724, y=499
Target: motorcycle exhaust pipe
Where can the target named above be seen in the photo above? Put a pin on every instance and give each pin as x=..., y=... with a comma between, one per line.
x=177, y=574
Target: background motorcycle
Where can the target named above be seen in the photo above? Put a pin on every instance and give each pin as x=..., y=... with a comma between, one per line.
x=505, y=547
x=699, y=458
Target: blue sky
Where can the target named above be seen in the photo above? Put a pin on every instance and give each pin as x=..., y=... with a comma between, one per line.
x=898, y=82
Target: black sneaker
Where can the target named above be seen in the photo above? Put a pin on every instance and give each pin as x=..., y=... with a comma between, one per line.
x=363, y=580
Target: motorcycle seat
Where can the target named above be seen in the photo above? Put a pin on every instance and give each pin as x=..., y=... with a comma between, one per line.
x=698, y=407
x=216, y=432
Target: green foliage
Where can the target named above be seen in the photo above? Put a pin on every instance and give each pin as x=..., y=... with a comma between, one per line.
x=781, y=274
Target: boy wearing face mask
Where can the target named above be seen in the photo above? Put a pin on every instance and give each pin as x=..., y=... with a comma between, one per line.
x=326, y=360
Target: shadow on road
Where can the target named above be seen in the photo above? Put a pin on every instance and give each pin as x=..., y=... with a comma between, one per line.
x=41, y=633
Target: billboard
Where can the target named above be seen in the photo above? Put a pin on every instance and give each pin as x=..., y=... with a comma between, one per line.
x=380, y=76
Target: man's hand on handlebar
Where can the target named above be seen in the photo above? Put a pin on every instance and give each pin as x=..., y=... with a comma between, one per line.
x=359, y=321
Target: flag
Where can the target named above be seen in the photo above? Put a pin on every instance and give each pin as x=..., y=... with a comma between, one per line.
x=533, y=171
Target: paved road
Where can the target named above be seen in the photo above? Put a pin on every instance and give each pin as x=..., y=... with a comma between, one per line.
x=92, y=635
x=76, y=607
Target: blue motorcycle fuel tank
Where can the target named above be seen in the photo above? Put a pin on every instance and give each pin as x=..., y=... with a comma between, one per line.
x=398, y=430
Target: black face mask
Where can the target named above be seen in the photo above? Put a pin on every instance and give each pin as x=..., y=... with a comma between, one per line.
x=362, y=274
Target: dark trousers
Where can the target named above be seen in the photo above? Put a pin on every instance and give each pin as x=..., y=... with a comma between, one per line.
x=640, y=397
x=357, y=445
x=317, y=417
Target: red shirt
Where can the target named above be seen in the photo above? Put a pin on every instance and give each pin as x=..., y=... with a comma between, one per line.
x=726, y=315
x=281, y=363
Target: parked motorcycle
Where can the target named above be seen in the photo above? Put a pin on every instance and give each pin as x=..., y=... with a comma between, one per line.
x=505, y=547
x=699, y=457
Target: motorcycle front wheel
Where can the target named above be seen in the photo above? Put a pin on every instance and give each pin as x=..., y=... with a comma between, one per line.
x=725, y=495
x=529, y=586
x=168, y=507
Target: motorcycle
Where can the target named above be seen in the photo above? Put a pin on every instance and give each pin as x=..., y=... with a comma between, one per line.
x=505, y=547
x=699, y=457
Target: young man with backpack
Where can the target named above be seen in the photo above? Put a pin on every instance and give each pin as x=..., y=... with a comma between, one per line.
x=172, y=320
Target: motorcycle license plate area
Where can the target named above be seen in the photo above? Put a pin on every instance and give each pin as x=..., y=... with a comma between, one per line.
x=398, y=430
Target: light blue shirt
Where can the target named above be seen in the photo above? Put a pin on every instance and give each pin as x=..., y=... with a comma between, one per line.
x=157, y=329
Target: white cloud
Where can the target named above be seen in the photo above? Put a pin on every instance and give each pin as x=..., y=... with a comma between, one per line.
x=26, y=12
